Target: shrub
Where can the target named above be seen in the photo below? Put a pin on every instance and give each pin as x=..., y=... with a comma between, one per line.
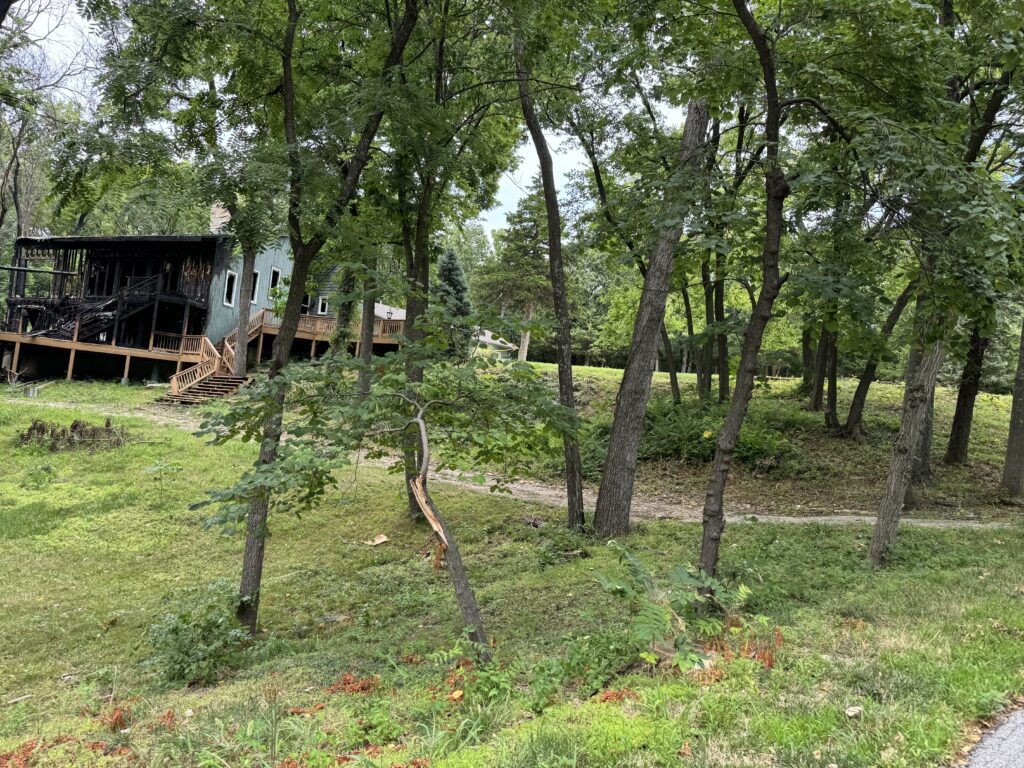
x=198, y=637
x=686, y=433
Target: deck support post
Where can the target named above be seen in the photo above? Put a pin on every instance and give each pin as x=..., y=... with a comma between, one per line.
x=259, y=348
x=312, y=350
x=17, y=354
x=127, y=363
x=71, y=364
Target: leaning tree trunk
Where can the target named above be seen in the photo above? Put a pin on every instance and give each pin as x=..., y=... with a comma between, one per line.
x=915, y=408
x=556, y=272
x=611, y=517
x=855, y=417
x=1013, y=469
x=970, y=383
x=464, y=596
x=259, y=505
x=776, y=191
x=244, y=302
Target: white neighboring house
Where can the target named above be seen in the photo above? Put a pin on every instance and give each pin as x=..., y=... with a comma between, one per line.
x=495, y=346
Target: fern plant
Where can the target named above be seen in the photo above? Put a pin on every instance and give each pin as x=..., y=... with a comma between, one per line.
x=675, y=616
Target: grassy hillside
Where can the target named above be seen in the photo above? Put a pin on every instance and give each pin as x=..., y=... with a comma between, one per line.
x=95, y=546
x=797, y=466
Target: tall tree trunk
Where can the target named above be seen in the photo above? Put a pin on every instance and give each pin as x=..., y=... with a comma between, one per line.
x=1013, y=468
x=776, y=191
x=721, y=337
x=855, y=417
x=556, y=271
x=708, y=350
x=820, y=370
x=831, y=404
x=611, y=517
x=244, y=303
x=524, y=338
x=970, y=383
x=670, y=363
x=343, y=315
x=915, y=407
x=416, y=245
x=303, y=253
x=690, y=351
x=368, y=317
x=807, y=359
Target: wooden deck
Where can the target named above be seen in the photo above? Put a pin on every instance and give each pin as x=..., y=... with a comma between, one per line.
x=197, y=355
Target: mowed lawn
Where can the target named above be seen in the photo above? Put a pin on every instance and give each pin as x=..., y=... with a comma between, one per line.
x=96, y=546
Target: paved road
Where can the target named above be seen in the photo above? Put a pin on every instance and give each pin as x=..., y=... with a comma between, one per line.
x=1003, y=747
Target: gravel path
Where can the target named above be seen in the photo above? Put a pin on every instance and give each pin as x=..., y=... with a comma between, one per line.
x=1002, y=747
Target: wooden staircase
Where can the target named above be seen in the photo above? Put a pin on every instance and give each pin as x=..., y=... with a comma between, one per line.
x=211, y=388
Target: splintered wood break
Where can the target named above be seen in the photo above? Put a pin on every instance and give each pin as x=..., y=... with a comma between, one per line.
x=420, y=494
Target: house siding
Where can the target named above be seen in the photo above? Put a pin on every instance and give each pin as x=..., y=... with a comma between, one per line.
x=221, y=319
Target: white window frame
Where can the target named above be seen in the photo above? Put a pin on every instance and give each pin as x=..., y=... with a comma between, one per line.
x=275, y=280
x=323, y=306
x=255, y=288
x=229, y=301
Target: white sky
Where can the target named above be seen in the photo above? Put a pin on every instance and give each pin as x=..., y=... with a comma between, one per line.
x=566, y=156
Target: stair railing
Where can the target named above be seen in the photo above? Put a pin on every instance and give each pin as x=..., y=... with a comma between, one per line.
x=209, y=363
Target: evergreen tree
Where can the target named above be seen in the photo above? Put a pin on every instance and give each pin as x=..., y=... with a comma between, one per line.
x=452, y=290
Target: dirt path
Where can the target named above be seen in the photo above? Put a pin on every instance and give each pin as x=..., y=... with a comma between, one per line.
x=648, y=507
x=645, y=507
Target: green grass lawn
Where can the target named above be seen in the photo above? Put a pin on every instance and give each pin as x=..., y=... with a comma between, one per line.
x=91, y=544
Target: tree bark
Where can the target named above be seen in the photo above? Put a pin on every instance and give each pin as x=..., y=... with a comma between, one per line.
x=556, y=271
x=524, y=338
x=611, y=517
x=807, y=359
x=1013, y=468
x=708, y=350
x=820, y=370
x=855, y=417
x=244, y=303
x=915, y=407
x=464, y=595
x=366, y=320
x=832, y=364
x=776, y=191
x=970, y=383
x=303, y=253
x=721, y=337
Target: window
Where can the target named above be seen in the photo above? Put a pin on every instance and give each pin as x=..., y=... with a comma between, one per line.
x=229, y=289
x=255, y=287
x=275, y=278
x=322, y=307
x=305, y=303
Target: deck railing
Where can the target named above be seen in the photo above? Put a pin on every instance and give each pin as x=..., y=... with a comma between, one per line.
x=323, y=326
x=209, y=363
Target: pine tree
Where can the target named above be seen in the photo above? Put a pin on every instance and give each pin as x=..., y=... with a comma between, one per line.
x=452, y=290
